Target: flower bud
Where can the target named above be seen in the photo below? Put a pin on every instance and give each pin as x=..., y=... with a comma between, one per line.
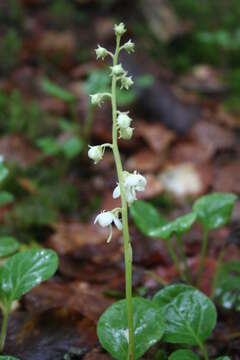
x=117, y=70
x=97, y=99
x=127, y=133
x=129, y=46
x=101, y=52
x=95, y=153
x=120, y=29
x=123, y=120
x=126, y=82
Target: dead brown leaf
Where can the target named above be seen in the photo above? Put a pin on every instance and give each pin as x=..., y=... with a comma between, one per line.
x=156, y=136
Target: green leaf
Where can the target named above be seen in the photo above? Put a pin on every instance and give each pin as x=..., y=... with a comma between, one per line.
x=146, y=217
x=49, y=145
x=3, y=171
x=8, y=358
x=228, y=289
x=177, y=227
x=8, y=246
x=190, y=315
x=55, y=90
x=223, y=358
x=183, y=355
x=214, y=210
x=144, y=81
x=25, y=270
x=98, y=81
x=112, y=328
x=72, y=147
x=5, y=198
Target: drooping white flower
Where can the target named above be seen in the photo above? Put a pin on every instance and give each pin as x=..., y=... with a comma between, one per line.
x=127, y=133
x=126, y=82
x=117, y=70
x=97, y=99
x=101, y=52
x=95, y=153
x=131, y=183
x=129, y=46
x=106, y=218
x=137, y=181
x=120, y=29
x=123, y=120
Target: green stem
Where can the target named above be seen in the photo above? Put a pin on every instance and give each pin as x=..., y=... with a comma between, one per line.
x=3, y=334
x=203, y=350
x=216, y=275
x=126, y=237
x=184, y=258
x=203, y=255
x=175, y=260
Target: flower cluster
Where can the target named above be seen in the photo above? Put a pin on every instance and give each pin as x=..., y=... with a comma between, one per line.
x=130, y=183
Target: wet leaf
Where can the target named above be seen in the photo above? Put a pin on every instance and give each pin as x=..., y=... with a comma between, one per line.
x=190, y=315
x=183, y=355
x=177, y=227
x=8, y=358
x=214, y=210
x=5, y=198
x=228, y=289
x=223, y=358
x=25, y=270
x=55, y=90
x=146, y=217
x=8, y=246
x=113, y=333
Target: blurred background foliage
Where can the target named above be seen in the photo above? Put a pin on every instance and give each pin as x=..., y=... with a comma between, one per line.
x=211, y=35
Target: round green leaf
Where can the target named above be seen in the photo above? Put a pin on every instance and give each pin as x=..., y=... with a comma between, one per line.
x=214, y=210
x=8, y=358
x=223, y=358
x=8, y=246
x=25, y=270
x=146, y=217
x=183, y=355
x=228, y=288
x=177, y=227
x=190, y=315
x=5, y=198
x=149, y=326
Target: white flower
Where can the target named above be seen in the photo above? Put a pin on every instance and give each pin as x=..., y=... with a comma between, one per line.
x=123, y=120
x=95, y=153
x=97, y=99
x=106, y=218
x=120, y=29
x=126, y=82
x=129, y=46
x=101, y=52
x=131, y=183
x=117, y=70
x=127, y=133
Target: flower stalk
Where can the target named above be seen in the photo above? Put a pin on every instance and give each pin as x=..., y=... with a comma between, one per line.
x=128, y=184
x=126, y=237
